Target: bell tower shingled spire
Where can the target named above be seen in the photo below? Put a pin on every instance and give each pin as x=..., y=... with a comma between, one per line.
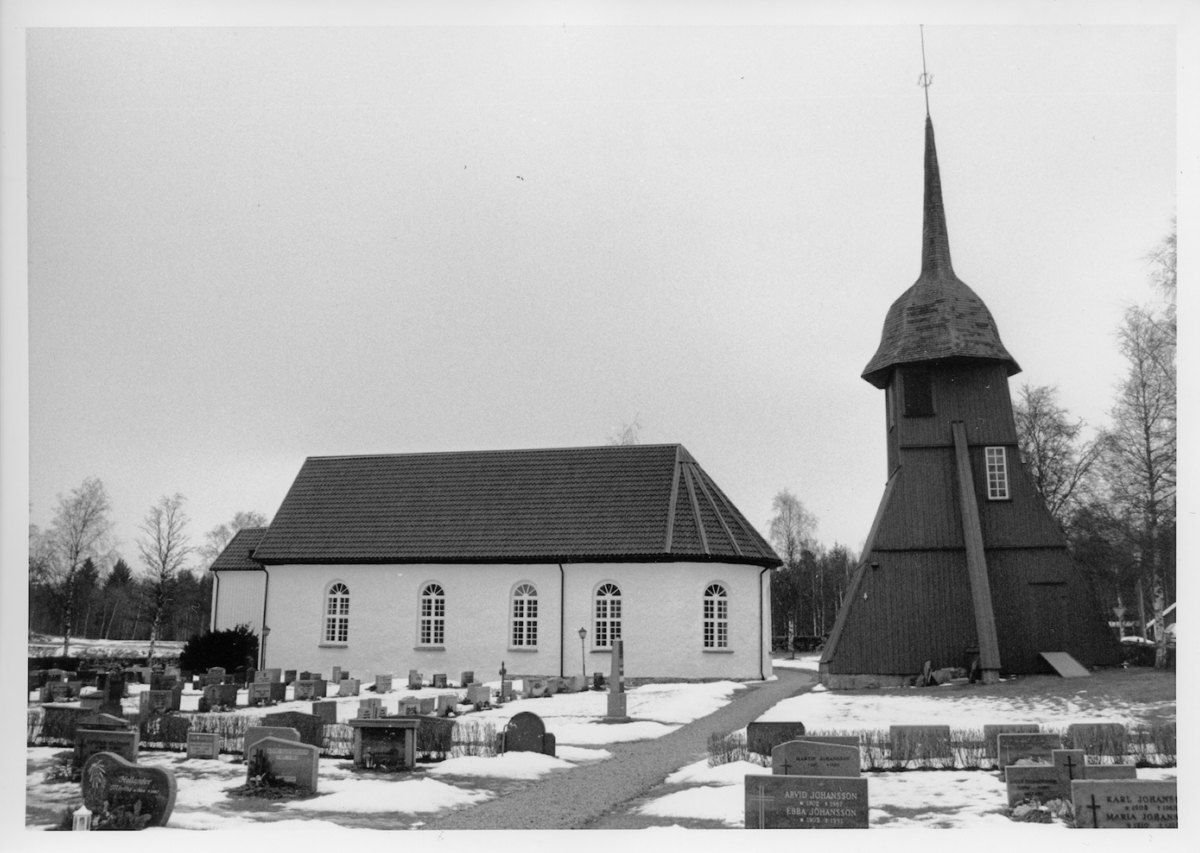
x=935, y=245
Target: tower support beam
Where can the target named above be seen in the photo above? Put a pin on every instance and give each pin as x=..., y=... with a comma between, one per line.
x=981, y=591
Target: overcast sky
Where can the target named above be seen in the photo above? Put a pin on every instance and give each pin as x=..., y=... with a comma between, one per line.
x=252, y=245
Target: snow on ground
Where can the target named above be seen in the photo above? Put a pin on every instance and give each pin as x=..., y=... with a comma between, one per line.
x=956, y=799
x=510, y=765
x=832, y=710
x=360, y=796
x=809, y=661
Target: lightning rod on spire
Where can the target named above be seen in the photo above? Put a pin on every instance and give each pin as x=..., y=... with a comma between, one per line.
x=926, y=79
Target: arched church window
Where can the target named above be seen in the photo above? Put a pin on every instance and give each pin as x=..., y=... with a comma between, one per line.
x=716, y=617
x=337, y=614
x=433, y=615
x=607, y=626
x=524, y=615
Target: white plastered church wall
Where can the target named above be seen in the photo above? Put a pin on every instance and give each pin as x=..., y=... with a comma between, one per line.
x=239, y=600
x=662, y=619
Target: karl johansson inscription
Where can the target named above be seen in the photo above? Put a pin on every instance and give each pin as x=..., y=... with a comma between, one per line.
x=1137, y=807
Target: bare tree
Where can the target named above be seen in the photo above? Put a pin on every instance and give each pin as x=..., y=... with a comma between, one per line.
x=80, y=530
x=164, y=548
x=792, y=527
x=627, y=434
x=218, y=539
x=1140, y=449
x=792, y=532
x=1049, y=442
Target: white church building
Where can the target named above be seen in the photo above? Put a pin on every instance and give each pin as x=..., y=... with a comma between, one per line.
x=444, y=562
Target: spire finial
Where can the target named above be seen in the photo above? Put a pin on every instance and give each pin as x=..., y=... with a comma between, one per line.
x=926, y=79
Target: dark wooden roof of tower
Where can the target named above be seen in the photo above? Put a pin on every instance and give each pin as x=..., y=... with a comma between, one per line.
x=643, y=503
x=939, y=317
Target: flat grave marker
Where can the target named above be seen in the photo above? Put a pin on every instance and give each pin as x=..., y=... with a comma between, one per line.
x=813, y=758
x=1131, y=804
x=109, y=778
x=805, y=802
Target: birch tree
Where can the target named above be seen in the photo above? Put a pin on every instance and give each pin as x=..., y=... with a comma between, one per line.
x=164, y=548
x=80, y=530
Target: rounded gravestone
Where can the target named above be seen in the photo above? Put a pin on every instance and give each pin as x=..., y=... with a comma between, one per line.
x=524, y=733
x=111, y=783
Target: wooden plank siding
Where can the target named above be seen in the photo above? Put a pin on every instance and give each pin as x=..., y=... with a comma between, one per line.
x=917, y=607
x=976, y=394
x=923, y=512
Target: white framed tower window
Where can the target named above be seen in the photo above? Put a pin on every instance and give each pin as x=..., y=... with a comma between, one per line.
x=997, y=473
x=607, y=624
x=524, y=616
x=337, y=614
x=716, y=617
x=433, y=615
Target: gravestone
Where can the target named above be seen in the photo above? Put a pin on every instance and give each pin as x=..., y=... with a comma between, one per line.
x=383, y=683
x=310, y=726
x=273, y=675
x=1098, y=738
x=415, y=680
x=813, y=758
x=91, y=701
x=467, y=678
x=256, y=733
x=409, y=705
x=337, y=675
x=158, y=701
x=306, y=689
x=289, y=676
x=439, y=680
x=1034, y=781
x=805, y=802
x=203, y=745
x=526, y=732
x=88, y=742
x=217, y=695
x=259, y=693
x=445, y=704
x=289, y=761
x=761, y=738
x=1107, y=772
x=914, y=743
x=59, y=691
x=1131, y=804
x=215, y=675
x=327, y=711
x=551, y=686
x=348, y=687
x=478, y=694
x=427, y=704
x=110, y=781
x=388, y=744
x=506, y=691
x=1011, y=748
x=1069, y=764
x=306, y=676
x=991, y=732
x=578, y=684
x=617, y=708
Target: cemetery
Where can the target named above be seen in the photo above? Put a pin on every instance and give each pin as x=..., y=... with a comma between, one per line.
x=403, y=758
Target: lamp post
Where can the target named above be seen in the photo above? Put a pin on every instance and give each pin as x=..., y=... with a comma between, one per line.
x=583, y=655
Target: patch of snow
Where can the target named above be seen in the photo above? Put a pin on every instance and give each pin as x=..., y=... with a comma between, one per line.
x=732, y=773
x=810, y=661
x=725, y=804
x=361, y=796
x=510, y=765
x=579, y=754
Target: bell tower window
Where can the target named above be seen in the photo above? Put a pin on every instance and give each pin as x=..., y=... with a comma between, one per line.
x=918, y=394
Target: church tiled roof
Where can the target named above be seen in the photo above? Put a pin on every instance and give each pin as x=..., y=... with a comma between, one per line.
x=236, y=556
x=586, y=504
x=939, y=317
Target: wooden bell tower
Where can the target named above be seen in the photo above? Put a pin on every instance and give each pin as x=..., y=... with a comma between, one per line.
x=963, y=564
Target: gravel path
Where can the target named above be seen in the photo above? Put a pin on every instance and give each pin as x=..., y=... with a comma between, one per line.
x=577, y=798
